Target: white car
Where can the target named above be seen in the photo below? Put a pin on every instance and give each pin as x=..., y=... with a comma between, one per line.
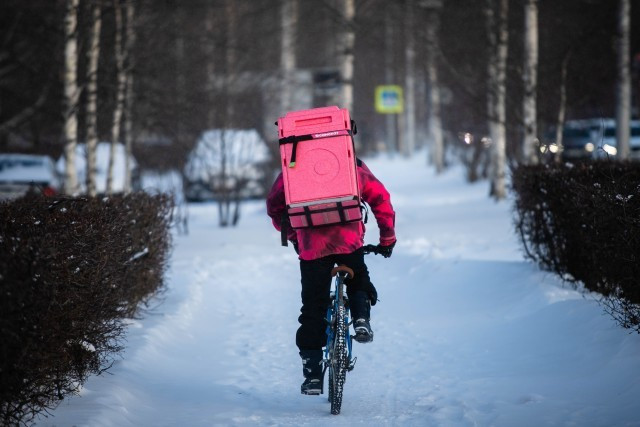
x=21, y=172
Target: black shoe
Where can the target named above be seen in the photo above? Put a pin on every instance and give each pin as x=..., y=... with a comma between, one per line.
x=311, y=386
x=364, y=334
x=312, y=371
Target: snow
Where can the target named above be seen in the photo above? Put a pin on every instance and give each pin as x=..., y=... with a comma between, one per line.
x=102, y=166
x=467, y=333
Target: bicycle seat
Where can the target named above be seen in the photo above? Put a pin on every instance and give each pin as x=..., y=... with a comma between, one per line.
x=342, y=269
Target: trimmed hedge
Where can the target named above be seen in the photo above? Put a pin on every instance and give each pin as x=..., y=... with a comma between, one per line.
x=71, y=269
x=583, y=222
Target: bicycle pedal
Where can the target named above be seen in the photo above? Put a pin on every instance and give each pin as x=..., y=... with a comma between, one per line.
x=352, y=364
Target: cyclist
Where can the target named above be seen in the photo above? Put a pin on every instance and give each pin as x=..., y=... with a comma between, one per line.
x=319, y=250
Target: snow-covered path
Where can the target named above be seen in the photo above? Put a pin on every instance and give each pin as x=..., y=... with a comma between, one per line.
x=467, y=333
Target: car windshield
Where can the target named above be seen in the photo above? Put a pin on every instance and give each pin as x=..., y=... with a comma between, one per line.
x=8, y=163
x=26, y=168
x=610, y=132
x=575, y=133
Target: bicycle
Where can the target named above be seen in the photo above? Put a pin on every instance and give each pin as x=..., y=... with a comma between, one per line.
x=338, y=357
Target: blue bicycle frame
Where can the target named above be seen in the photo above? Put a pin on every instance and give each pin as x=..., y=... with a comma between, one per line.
x=333, y=308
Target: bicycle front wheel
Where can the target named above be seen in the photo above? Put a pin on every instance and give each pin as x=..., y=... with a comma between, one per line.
x=339, y=361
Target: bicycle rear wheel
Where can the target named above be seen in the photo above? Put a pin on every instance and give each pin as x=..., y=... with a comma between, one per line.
x=339, y=361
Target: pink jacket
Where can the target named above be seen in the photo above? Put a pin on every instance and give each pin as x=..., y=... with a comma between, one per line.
x=318, y=242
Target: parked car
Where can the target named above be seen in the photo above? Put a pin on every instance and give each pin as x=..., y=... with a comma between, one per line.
x=226, y=161
x=20, y=173
x=604, y=134
x=577, y=144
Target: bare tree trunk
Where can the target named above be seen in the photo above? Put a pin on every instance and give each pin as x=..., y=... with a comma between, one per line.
x=121, y=86
x=71, y=94
x=210, y=43
x=180, y=73
x=231, y=56
x=347, y=58
x=289, y=21
x=236, y=210
x=389, y=68
x=530, y=82
x=434, y=119
x=496, y=97
x=128, y=101
x=410, y=79
x=93, y=55
x=224, y=193
x=623, y=107
x=562, y=108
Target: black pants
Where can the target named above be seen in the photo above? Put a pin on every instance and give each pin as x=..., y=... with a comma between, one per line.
x=316, y=286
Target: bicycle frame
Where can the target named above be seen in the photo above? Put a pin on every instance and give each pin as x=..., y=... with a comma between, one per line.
x=333, y=308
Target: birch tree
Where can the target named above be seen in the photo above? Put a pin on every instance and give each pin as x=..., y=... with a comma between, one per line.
x=410, y=79
x=226, y=214
x=93, y=55
x=71, y=95
x=179, y=63
x=562, y=104
x=121, y=80
x=496, y=13
x=128, y=95
x=623, y=105
x=289, y=21
x=530, y=77
x=210, y=52
x=434, y=119
x=347, y=44
x=389, y=75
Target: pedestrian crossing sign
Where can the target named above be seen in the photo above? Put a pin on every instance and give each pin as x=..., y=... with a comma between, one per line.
x=389, y=99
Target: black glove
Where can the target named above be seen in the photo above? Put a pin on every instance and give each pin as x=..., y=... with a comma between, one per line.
x=295, y=246
x=386, y=251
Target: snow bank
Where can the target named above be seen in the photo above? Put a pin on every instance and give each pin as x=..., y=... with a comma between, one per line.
x=466, y=332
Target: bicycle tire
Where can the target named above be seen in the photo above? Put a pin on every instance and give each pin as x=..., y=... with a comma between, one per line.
x=339, y=361
x=330, y=385
x=331, y=319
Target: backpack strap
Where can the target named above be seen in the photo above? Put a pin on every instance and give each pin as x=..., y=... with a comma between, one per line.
x=341, y=212
x=294, y=139
x=284, y=228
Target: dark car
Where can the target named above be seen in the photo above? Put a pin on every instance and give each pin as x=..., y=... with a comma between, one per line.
x=577, y=144
x=21, y=172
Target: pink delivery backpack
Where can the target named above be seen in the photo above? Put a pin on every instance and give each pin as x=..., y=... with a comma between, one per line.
x=319, y=167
